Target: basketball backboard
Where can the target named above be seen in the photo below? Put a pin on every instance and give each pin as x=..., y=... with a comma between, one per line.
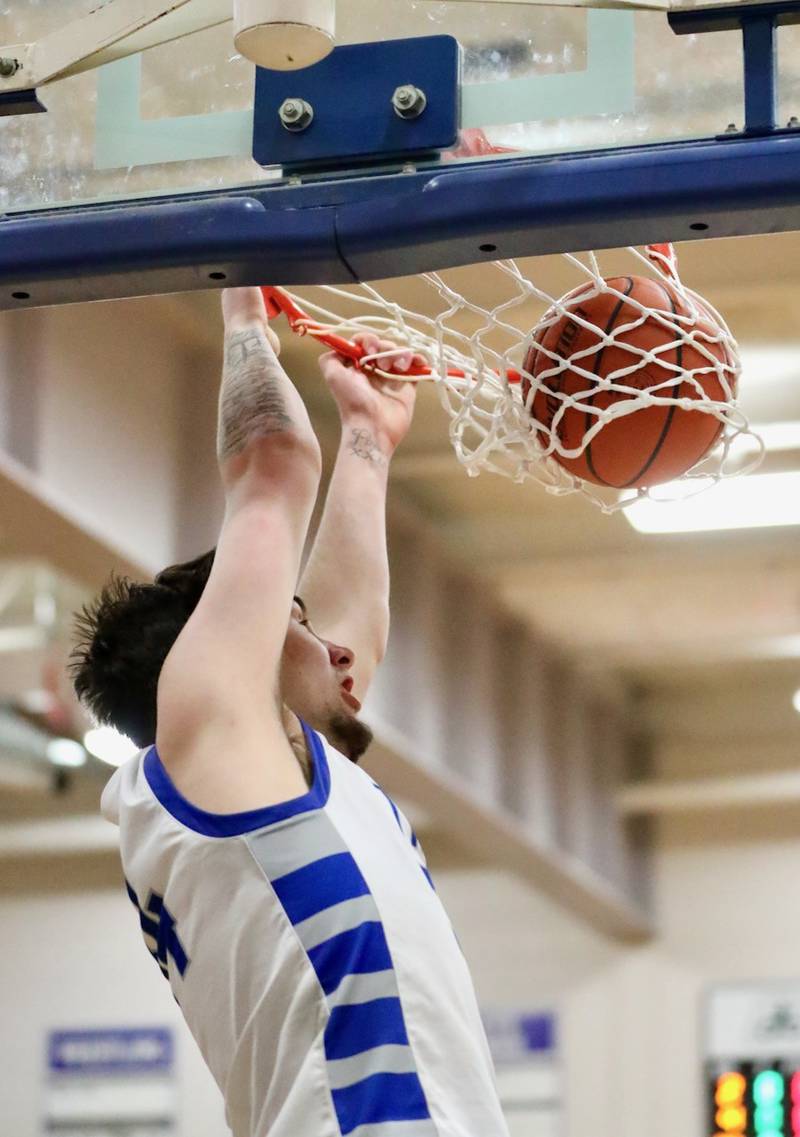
x=535, y=79
x=604, y=128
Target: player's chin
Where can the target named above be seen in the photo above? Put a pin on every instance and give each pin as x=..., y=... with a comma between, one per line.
x=349, y=734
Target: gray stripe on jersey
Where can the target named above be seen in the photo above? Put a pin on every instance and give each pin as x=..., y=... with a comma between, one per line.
x=338, y=918
x=380, y=1060
x=364, y=988
x=396, y=1129
x=282, y=849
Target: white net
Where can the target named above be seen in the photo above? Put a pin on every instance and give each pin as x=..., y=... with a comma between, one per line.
x=618, y=388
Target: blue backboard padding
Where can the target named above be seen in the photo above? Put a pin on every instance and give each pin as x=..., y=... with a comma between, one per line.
x=351, y=95
x=376, y=227
x=601, y=200
x=159, y=246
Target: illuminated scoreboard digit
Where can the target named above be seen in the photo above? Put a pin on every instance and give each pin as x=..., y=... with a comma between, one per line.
x=794, y=1104
x=730, y=1110
x=769, y=1112
x=748, y=1099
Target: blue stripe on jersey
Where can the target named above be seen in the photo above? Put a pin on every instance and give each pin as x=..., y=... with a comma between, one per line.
x=355, y=1027
x=149, y=927
x=234, y=824
x=320, y=886
x=382, y=1097
x=355, y=952
x=428, y=877
x=328, y=881
x=395, y=810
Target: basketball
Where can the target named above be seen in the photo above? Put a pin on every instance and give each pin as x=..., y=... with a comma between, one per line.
x=650, y=445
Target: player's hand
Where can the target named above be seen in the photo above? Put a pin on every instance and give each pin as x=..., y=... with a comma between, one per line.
x=363, y=398
x=243, y=307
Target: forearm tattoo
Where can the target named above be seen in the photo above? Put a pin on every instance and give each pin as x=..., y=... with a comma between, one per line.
x=363, y=445
x=251, y=402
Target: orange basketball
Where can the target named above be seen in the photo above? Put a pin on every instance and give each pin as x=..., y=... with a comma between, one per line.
x=653, y=444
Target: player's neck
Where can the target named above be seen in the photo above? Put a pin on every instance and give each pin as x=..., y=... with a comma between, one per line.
x=297, y=741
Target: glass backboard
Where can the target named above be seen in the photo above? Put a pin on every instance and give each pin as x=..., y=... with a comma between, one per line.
x=535, y=80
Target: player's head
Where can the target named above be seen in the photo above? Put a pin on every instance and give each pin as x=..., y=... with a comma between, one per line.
x=122, y=639
x=126, y=633
x=316, y=683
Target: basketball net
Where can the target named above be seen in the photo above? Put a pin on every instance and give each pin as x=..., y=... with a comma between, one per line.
x=475, y=354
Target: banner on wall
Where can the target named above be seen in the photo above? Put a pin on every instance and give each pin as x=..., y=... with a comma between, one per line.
x=523, y=1046
x=116, y=1082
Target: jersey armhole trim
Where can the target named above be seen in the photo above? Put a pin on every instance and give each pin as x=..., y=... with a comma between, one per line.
x=234, y=824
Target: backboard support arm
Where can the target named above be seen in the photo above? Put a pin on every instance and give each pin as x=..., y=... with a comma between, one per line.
x=758, y=24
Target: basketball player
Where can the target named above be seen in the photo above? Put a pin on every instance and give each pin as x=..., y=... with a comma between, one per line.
x=282, y=893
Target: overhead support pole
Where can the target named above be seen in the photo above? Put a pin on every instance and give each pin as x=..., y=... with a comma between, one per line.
x=760, y=75
x=111, y=31
x=757, y=23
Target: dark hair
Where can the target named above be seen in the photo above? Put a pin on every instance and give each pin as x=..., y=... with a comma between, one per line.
x=122, y=640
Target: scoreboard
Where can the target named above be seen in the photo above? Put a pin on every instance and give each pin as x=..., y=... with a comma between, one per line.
x=752, y=1060
x=754, y=1099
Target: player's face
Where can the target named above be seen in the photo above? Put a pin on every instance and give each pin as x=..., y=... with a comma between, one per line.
x=316, y=684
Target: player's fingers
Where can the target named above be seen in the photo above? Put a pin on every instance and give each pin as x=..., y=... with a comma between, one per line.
x=402, y=361
x=243, y=305
x=330, y=364
x=386, y=353
x=369, y=342
x=392, y=356
x=405, y=360
x=379, y=383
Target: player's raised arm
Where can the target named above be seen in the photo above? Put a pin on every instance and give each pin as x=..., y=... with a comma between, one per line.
x=345, y=584
x=221, y=677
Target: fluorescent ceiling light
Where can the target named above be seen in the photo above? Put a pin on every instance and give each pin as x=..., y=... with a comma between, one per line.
x=109, y=745
x=738, y=503
x=66, y=752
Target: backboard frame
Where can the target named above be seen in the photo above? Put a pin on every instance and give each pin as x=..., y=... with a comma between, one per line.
x=382, y=226
x=383, y=222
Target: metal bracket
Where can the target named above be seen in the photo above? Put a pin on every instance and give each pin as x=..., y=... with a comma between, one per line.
x=758, y=23
x=20, y=102
x=354, y=118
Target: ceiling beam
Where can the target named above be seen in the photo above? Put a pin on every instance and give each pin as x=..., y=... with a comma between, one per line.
x=758, y=791
x=498, y=839
x=659, y=604
x=85, y=833
x=35, y=523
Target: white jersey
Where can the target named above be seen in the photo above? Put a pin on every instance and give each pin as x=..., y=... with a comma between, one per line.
x=311, y=957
